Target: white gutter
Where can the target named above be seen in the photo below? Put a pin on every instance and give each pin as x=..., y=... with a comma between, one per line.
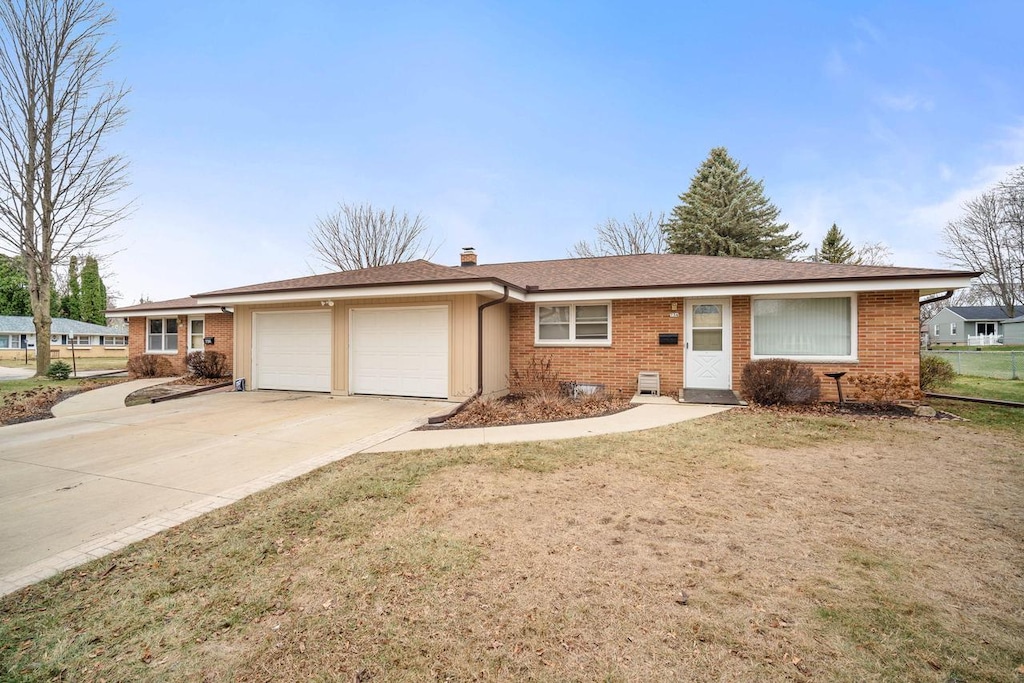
x=376, y=291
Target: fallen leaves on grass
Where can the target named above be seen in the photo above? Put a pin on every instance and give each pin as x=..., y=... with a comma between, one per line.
x=31, y=404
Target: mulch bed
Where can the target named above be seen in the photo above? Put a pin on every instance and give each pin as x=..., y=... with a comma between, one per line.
x=878, y=411
x=515, y=410
x=35, y=404
x=179, y=386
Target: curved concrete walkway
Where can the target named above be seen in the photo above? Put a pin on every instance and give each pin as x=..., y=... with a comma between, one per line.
x=104, y=398
x=644, y=416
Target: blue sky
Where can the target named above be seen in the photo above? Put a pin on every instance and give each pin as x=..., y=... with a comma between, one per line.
x=518, y=127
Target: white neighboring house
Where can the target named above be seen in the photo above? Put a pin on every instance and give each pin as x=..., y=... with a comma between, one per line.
x=18, y=338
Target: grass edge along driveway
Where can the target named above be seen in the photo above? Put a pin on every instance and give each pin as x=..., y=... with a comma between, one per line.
x=750, y=545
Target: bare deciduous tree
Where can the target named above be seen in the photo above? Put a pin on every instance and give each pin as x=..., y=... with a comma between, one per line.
x=360, y=236
x=640, y=234
x=989, y=237
x=873, y=254
x=59, y=190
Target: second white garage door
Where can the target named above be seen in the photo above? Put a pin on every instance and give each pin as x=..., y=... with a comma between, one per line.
x=292, y=350
x=399, y=351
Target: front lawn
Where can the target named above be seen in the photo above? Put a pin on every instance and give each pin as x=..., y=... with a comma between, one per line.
x=984, y=387
x=111, y=363
x=746, y=546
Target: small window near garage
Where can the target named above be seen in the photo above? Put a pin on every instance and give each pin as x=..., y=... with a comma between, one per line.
x=578, y=324
x=804, y=328
x=196, y=332
x=162, y=336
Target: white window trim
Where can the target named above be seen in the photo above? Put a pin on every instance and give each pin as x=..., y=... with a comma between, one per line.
x=161, y=352
x=572, y=341
x=952, y=329
x=188, y=324
x=854, y=319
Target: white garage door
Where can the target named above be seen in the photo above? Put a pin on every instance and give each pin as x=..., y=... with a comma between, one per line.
x=292, y=350
x=399, y=351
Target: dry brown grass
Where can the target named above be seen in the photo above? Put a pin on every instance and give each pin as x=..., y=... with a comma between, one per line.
x=748, y=546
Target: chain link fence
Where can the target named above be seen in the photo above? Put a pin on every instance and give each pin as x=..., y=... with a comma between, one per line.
x=994, y=364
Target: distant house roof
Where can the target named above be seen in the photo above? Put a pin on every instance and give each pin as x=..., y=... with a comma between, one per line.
x=606, y=273
x=980, y=312
x=22, y=324
x=1018, y=319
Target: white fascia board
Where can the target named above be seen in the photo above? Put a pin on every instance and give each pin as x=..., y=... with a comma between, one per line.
x=164, y=312
x=327, y=294
x=924, y=285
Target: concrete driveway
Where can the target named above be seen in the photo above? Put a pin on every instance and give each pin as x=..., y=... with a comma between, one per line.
x=77, y=487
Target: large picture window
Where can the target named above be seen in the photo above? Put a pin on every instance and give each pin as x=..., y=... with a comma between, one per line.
x=808, y=329
x=162, y=335
x=574, y=324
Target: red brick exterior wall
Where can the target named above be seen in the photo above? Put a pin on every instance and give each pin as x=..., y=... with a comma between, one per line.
x=220, y=326
x=887, y=342
x=635, y=328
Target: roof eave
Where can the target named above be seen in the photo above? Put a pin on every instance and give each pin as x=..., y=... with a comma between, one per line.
x=485, y=287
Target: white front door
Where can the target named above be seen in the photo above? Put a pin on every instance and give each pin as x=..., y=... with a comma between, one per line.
x=708, y=361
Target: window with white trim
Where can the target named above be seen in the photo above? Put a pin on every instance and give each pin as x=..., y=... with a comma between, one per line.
x=196, y=331
x=937, y=333
x=812, y=328
x=116, y=340
x=162, y=335
x=5, y=341
x=952, y=329
x=577, y=324
x=80, y=340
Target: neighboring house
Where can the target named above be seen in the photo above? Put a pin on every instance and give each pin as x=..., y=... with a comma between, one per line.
x=18, y=338
x=176, y=327
x=1013, y=330
x=428, y=330
x=954, y=324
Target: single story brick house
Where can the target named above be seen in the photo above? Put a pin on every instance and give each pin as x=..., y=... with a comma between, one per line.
x=87, y=340
x=176, y=327
x=428, y=330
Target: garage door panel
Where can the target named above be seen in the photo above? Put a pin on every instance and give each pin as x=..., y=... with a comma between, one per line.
x=292, y=350
x=399, y=352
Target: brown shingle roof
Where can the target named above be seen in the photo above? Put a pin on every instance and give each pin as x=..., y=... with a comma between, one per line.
x=412, y=272
x=674, y=270
x=170, y=304
x=605, y=272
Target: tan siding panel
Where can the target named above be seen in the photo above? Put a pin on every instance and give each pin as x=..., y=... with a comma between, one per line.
x=496, y=349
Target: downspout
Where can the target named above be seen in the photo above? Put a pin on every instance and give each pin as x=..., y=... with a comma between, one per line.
x=480, y=340
x=437, y=419
x=935, y=299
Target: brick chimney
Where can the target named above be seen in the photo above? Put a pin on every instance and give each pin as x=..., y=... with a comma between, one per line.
x=468, y=256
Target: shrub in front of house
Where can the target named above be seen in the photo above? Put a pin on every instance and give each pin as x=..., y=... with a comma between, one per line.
x=58, y=370
x=147, y=365
x=207, y=364
x=778, y=381
x=935, y=372
x=537, y=377
x=884, y=388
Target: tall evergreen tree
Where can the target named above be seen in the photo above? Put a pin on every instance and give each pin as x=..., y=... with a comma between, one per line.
x=726, y=213
x=14, y=297
x=835, y=248
x=93, y=294
x=71, y=302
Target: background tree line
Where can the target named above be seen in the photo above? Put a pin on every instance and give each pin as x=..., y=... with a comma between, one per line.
x=81, y=295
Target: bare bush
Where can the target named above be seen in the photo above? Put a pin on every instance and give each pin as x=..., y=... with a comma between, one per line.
x=884, y=388
x=538, y=377
x=777, y=381
x=148, y=365
x=935, y=372
x=207, y=364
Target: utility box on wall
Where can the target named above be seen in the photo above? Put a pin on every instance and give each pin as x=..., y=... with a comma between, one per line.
x=668, y=339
